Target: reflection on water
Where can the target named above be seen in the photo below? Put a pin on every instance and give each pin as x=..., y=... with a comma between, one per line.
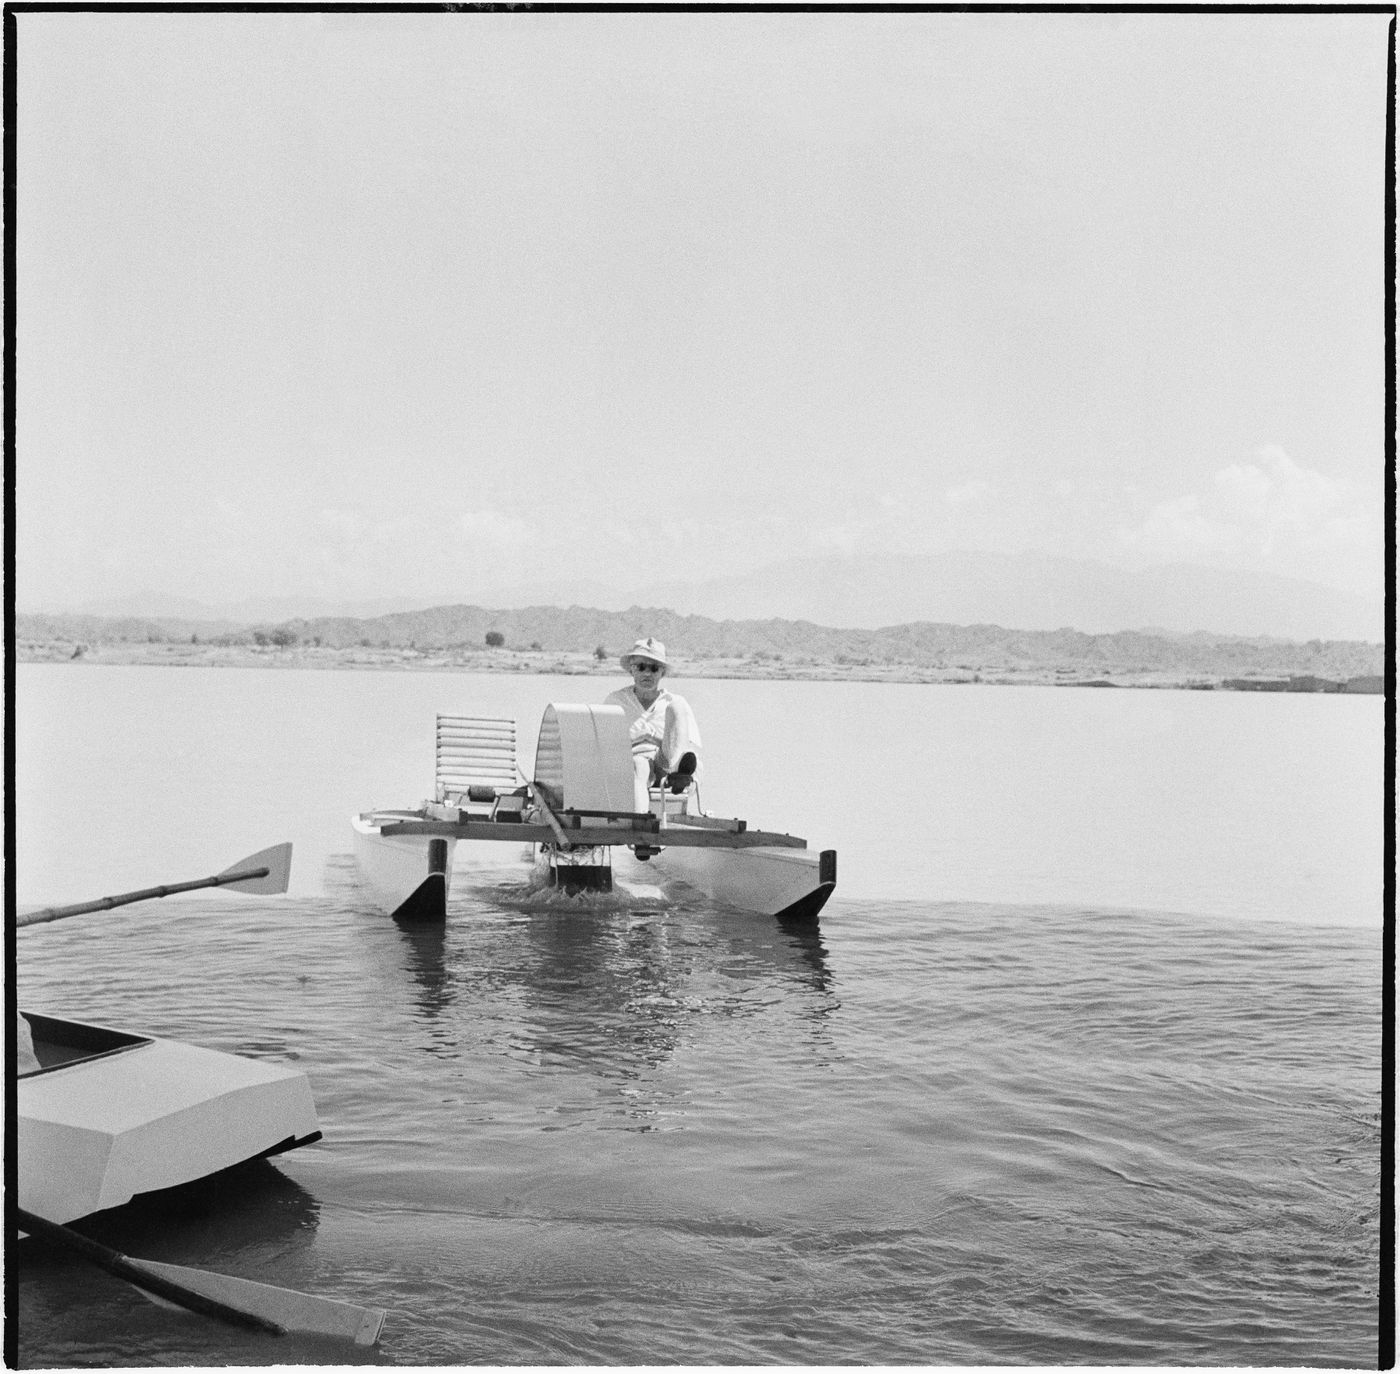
x=599, y=989
x=245, y=1211
x=596, y=986
x=805, y=940
x=424, y=944
x=615, y=996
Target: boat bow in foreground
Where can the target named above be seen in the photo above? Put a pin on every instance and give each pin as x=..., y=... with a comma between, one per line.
x=105, y=1115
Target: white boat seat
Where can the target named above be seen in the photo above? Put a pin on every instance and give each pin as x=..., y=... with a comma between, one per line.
x=674, y=805
x=476, y=761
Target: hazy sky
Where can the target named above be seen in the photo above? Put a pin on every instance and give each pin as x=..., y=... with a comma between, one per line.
x=376, y=305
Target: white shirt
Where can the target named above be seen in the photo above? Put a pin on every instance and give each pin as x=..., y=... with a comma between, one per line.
x=666, y=727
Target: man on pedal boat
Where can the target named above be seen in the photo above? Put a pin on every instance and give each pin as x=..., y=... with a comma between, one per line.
x=665, y=737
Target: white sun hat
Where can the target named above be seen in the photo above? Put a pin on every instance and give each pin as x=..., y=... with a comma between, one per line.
x=653, y=649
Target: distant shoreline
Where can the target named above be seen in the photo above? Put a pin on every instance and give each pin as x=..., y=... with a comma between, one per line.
x=570, y=664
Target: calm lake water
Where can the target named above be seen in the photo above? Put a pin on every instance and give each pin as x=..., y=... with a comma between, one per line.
x=1080, y=1066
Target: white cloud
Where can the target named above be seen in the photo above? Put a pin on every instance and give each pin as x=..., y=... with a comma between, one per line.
x=1272, y=515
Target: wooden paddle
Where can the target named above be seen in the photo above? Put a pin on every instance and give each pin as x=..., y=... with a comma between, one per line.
x=267, y=871
x=262, y=1306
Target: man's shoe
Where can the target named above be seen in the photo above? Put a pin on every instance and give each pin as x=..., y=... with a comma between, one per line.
x=684, y=774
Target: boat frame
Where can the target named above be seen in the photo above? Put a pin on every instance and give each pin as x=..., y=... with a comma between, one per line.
x=405, y=857
x=568, y=847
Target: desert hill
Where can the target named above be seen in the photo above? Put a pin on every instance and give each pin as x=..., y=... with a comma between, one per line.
x=774, y=646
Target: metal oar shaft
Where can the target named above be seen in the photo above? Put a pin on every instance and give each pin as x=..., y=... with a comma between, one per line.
x=57, y=913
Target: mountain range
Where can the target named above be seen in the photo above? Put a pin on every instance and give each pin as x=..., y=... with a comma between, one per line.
x=463, y=636
x=1023, y=592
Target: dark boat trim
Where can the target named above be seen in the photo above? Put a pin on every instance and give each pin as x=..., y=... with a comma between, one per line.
x=292, y=1142
x=427, y=902
x=806, y=908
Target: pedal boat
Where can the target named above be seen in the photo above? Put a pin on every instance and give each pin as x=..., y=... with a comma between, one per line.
x=576, y=824
x=104, y=1116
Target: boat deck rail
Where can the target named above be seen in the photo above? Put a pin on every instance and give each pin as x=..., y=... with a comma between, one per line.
x=592, y=829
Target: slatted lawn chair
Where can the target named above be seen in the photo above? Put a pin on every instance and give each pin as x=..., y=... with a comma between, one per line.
x=476, y=766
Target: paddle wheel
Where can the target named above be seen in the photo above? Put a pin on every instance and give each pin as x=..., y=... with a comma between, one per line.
x=583, y=765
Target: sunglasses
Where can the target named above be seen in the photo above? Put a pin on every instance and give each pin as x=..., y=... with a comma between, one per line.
x=647, y=667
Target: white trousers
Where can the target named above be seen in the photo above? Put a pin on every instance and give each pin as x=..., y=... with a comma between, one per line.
x=650, y=755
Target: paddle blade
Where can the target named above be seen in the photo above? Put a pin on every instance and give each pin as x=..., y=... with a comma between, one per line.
x=292, y=1311
x=277, y=861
